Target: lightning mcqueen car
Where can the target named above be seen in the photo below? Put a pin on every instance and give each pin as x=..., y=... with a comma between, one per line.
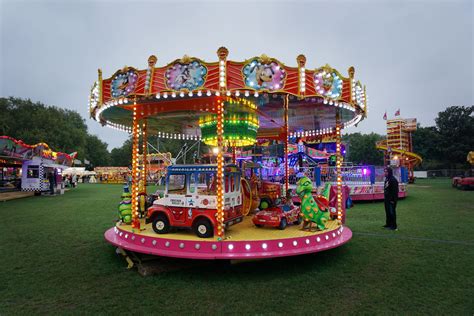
x=278, y=216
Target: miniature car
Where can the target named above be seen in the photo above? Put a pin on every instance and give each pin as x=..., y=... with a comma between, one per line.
x=278, y=216
x=190, y=200
x=463, y=183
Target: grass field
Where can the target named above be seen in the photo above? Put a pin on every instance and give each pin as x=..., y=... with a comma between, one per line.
x=54, y=260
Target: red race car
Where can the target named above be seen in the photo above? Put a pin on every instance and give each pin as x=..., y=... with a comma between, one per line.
x=278, y=216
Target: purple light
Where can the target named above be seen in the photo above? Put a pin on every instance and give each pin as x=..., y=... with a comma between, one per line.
x=364, y=171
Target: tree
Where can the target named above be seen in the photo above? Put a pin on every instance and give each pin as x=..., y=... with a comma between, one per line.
x=426, y=141
x=455, y=126
x=63, y=130
x=361, y=148
x=96, y=152
x=122, y=156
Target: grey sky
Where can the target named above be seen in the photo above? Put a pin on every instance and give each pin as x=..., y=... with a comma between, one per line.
x=412, y=55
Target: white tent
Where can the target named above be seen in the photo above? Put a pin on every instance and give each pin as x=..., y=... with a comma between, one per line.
x=78, y=171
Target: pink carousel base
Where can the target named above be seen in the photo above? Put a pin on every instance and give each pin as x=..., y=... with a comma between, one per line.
x=227, y=249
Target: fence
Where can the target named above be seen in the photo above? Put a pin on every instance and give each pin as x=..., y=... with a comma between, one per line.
x=450, y=173
x=356, y=175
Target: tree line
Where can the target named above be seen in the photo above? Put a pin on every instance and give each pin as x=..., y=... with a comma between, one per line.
x=63, y=130
x=444, y=145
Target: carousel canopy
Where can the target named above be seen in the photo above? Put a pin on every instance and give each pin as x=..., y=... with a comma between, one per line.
x=179, y=100
x=15, y=149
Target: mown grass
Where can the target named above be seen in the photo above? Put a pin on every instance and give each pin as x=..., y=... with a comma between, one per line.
x=54, y=260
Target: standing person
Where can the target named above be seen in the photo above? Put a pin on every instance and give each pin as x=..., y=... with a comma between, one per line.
x=51, y=183
x=74, y=180
x=130, y=180
x=390, y=198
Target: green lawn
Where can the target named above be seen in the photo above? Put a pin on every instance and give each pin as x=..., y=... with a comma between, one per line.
x=54, y=260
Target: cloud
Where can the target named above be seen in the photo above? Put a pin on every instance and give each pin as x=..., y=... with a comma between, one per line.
x=412, y=55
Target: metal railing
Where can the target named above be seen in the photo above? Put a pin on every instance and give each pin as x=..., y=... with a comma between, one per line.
x=360, y=175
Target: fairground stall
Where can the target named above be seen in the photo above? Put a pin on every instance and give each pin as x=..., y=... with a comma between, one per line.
x=206, y=210
x=40, y=166
x=365, y=183
x=112, y=174
x=156, y=165
x=82, y=175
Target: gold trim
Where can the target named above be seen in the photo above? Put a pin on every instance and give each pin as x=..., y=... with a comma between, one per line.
x=151, y=65
x=101, y=87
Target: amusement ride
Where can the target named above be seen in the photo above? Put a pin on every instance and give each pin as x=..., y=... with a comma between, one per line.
x=206, y=210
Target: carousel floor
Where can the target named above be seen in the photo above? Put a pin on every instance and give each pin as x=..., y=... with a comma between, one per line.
x=245, y=230
x=242, y=241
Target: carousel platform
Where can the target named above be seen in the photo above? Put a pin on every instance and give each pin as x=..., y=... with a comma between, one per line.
x=242, y=241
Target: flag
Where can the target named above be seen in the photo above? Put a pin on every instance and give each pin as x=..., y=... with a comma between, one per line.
x=397, y=113
x=385, y=116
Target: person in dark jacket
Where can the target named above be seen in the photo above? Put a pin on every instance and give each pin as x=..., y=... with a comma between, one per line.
x=390, y=199
x=52, y=182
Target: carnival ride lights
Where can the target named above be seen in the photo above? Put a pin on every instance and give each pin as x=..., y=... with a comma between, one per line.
x=240, y=127
x=228, y=103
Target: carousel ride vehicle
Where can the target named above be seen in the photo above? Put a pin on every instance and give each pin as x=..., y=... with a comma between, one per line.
x=225, y=104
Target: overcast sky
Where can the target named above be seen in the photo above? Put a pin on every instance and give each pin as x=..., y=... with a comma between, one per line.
x=412, y=55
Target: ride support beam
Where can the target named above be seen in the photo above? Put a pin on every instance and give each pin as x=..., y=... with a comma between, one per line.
x=144, y=153
x=287, y=177
x=135, y=171
x=338, y=166
x=234, y=160
x=220, y=169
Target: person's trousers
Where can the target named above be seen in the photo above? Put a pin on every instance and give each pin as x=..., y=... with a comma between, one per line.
x=391, y=214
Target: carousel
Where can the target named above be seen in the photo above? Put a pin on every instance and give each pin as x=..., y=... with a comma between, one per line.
x=211, y=211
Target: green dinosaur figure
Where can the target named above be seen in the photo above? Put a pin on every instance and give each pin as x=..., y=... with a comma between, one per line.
x=125, y=207
x=310, y=210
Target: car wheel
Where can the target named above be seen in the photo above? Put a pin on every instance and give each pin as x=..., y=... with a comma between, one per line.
x=298, y=221
x=259, y=225
x=203, y=228
x=161, y=224
x=283, y=224
x=264, y=203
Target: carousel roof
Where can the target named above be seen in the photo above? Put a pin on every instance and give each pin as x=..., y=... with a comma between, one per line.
x=174, y=97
